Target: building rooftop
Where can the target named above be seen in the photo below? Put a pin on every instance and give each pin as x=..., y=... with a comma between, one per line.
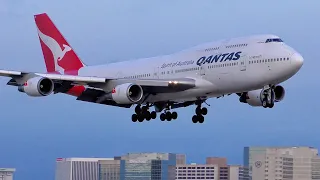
x=7, y=169
x=82, y=159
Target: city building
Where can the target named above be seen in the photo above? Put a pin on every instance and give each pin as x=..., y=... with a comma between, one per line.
x=215, y=168
x=220, y=161
x=146, y=166
x=6, y=173
x=181, y=159
x=78, y=168
x=284, y=163
x=197, y=171
x=237, y=172
x=109, y=169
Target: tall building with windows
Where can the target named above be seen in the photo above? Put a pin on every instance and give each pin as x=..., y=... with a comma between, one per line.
x=6, y=173
x=146, y=166
x=78, y=168
x=109, y=169
x=215, y=168
x=237, y=172
x=285, y=163
x=197, y=171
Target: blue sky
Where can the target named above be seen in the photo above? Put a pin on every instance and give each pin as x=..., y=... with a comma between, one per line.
x=35, y=131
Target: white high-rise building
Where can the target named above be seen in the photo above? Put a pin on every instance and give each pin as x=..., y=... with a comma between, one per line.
x=78, y=168
x=6, y=173
x=285, y=163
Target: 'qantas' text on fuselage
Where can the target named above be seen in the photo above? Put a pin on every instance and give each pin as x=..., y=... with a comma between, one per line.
x=222, y=57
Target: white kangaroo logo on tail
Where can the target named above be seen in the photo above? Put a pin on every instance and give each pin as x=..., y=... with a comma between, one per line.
x=55, y=48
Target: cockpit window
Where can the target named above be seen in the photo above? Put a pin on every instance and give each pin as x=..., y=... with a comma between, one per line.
x=274, y=40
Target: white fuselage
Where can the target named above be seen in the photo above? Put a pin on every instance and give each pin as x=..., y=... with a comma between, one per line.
x=223, y=67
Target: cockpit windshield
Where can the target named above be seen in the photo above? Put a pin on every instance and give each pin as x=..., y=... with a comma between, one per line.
x=274, y=40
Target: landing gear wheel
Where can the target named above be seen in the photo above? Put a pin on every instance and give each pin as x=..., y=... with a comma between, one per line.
x=168, y=116
x=137, y=109
x=200, y=113
x=148, y=116
x=140, y=118
x=153, y=115
x=271, y=105
x=174, y=115
x=195, y=119
x=200, y=119
x=144, y=109
x=162, y=117
x=134, y=117
x=198, y=110
x=204, y=111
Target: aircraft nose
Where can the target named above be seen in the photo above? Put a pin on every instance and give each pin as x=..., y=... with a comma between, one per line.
x=297, y=60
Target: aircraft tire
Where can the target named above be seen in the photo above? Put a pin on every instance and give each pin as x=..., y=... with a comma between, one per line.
x=200, y=119
x=198, y=110
x=137, y=109
x=134, y=117
x=168, y=116
x=153, y=114
x=140, y=118
x=204, y=111
x=195, y=119
x=162, y=117
x=174, y=115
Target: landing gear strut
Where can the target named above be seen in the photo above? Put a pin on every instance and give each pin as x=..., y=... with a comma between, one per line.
x=143, y=113
x=200, y=113
x=167, y=115
x=268, y=97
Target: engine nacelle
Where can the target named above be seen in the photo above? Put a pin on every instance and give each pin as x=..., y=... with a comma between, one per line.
x=127, y=93
x=254, y=98
x=37, y=86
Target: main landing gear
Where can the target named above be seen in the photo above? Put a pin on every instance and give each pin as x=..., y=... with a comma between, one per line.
x=200, y=113
x=167, y=115
x=143, y=113
x=268, y=96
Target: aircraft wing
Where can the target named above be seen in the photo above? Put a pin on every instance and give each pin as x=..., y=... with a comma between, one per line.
x=148, y=85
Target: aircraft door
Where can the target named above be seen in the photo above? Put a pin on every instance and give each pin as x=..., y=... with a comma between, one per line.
x=243, y=62
x=156, y=73
x=202, y=70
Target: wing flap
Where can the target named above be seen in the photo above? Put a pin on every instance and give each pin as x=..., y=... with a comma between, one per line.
x=92, y=95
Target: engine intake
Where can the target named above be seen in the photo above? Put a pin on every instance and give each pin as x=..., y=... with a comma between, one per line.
x=127, y=93
x=279, y=93
x=37, y=86
x=254, y=98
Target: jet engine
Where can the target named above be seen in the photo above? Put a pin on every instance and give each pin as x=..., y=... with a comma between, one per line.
x=254, y=98
x=37, y=86
x=127, y=93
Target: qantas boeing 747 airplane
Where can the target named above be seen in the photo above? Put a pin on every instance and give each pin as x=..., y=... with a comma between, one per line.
x=251, y=67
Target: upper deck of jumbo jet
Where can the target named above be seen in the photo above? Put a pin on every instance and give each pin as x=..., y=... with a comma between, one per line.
x=262, y=38
x=135, y=63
